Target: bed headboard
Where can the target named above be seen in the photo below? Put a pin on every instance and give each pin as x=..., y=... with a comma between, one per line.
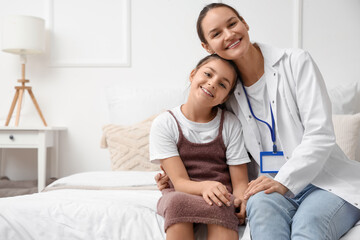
x=131, y=105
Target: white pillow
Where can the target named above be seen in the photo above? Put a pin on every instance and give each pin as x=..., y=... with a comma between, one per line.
x=345, y=98
x=107, y=179
x=347, y=132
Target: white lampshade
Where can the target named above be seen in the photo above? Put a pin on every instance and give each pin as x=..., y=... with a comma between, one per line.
x=23, y=35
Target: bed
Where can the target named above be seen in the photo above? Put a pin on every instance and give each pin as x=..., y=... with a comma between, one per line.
x=121, y=204
x=91, y=205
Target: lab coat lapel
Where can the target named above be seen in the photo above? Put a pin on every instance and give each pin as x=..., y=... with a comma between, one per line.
x=271, y=77
x=271, y=57
x=241, y=98
x=248, y=121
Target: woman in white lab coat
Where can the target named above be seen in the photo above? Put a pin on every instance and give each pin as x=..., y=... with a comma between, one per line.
x=285, y=112
x=307, y=188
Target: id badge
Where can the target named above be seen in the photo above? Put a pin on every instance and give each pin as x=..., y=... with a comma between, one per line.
x=271, y=162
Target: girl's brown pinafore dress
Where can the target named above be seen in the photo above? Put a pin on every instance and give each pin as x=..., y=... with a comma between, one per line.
x=203, y=162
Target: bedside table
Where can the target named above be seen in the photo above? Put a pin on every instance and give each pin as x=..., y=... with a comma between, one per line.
x=39, y=138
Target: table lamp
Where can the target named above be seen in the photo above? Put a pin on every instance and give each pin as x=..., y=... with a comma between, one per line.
x=23, y=35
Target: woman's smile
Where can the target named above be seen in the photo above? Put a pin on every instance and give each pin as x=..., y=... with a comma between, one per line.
x=234, y=44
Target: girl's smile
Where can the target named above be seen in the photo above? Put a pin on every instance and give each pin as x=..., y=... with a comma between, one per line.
x=207, y=92
x=211, y=83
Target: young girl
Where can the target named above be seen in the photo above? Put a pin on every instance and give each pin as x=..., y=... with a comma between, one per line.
x=200, y=147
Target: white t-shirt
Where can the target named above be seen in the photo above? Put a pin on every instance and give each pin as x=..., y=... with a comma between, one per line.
x=260, y=104
x=164, y=135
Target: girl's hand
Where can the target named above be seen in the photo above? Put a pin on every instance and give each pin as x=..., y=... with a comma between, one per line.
x=265, y=184
x=215, y=192
x=240, y=209
x=162, y=180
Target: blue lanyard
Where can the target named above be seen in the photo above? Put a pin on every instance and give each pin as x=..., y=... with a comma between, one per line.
x=272, y=129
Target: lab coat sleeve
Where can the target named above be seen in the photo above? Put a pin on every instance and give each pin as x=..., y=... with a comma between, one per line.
x=318, y=140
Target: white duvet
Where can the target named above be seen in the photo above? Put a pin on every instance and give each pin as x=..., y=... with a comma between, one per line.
x=86, y=214
x=93, y=205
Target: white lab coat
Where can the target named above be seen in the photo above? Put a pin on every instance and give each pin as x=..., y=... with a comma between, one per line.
x=304, y=128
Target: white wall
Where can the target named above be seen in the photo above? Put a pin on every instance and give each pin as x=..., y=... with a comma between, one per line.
x=332, y=35
x=164, y=47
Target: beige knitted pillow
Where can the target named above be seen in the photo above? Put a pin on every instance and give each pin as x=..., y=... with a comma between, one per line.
x=347, y=132
x=129, y=146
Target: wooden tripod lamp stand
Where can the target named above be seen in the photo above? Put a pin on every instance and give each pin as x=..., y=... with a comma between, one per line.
x=23, y=35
